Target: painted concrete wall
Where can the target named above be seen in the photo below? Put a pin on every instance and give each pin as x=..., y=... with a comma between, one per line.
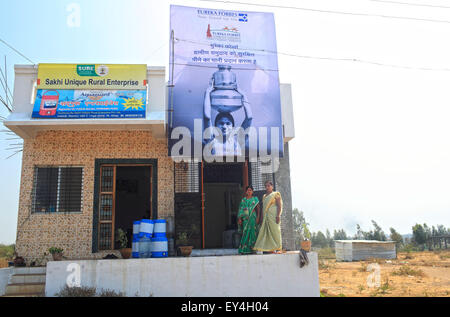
x=244, y=276
x=5, y=274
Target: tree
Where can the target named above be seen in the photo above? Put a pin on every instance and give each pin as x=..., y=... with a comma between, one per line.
x=397, y=237
x=319, y=240
x=300, y=226
x=329, y=239
x=419, y=235
x=340, y=235
x=377, y=233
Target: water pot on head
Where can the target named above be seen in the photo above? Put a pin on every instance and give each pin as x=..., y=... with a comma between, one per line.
x=224, y=97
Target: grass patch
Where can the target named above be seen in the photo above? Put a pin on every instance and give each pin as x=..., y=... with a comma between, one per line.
x=326, y=253
x=326, y=265
x=408, y=271
x=363, y=267
x=86, y=292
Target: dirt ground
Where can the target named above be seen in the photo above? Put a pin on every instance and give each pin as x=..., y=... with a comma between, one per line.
x=414, y=274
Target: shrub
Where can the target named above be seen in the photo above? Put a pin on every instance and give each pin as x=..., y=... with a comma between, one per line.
x=110, y=293
x=84, y=291
x=406, y=270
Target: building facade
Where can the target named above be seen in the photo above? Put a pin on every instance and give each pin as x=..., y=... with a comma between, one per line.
x=82, y=179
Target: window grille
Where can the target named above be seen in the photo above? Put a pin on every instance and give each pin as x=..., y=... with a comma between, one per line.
x=57, y=189
x=187, y=178
x=261, y=171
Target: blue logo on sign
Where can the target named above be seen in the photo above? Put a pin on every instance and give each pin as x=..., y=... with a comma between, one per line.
x=243, y=17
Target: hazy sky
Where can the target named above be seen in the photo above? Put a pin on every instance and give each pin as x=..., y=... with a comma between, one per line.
x=372, y=142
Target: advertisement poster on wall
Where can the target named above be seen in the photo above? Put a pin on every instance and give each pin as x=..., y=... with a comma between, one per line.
x=225, y=87
x=91, y=91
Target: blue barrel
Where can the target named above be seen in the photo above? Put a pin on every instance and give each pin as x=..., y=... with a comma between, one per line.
x=136, y=228
x=159, y=229
x=135, y=247
x=145, y=227
x=160, y=247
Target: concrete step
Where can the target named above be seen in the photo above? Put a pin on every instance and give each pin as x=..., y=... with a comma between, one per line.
x=22, y=288
x=30, y=270
x=26, y=295
x=27, y=278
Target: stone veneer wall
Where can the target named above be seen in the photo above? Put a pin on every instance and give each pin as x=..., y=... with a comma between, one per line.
x=73, y=231
x=283, y=185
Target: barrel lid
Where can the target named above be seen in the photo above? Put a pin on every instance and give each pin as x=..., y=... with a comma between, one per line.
x=146, y=221
x=136, y=222
x=160, y=220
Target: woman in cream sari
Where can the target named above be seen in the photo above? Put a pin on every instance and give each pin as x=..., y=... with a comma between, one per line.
x=269, y=238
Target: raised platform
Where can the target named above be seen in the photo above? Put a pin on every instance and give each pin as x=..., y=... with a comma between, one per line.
x=269, y=275
x=214, y=252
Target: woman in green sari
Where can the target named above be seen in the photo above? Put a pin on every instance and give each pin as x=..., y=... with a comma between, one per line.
x=269, y=237
x=248, y=220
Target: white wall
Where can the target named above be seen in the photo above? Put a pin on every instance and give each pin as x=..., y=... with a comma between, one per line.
x=270, y=275
x=5, y=274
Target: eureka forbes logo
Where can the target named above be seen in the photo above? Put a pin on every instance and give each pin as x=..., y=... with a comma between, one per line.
x=227, y=34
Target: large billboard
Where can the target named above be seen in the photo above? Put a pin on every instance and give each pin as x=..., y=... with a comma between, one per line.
x=90, y=91
x=225, y=88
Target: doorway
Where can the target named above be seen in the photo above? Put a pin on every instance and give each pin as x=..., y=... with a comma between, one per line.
x=133, y=198
x=125, y=192
x=223, y=190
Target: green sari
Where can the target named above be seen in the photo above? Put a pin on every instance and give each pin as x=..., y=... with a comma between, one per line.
x=249, y=228
x=269, y=237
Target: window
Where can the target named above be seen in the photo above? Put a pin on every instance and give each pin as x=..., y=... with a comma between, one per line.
x=57, y=189
x=261, y=171
x=187, y=178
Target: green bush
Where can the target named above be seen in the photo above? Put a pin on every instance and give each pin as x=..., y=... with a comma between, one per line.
x=87, y=292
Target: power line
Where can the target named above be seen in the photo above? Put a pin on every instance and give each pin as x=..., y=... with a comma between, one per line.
x=15, y=50
x=340, y=59
x=331, y=11
x=412, y=4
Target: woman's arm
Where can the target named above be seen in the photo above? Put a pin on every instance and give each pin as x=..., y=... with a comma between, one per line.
x=207, y=105
x=278, y=202
x=247, y=110
x=258, y=214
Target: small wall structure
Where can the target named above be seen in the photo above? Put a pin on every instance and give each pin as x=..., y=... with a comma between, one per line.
x=357, y=250
x=268, y=275
x=5, y=275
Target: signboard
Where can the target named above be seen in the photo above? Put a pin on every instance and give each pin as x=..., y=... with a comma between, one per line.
x=225, y=94
x=83, y=104
x=92, y=76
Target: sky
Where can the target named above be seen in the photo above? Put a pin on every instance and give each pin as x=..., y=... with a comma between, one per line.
x=371, y=141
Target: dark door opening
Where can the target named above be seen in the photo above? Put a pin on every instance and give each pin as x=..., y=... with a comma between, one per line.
x=132, y=198
x=223, y=190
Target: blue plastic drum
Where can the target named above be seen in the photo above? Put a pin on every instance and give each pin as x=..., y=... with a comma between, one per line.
x=135, y=247
x=145, y=227
x=160, y=247
x=159, y=229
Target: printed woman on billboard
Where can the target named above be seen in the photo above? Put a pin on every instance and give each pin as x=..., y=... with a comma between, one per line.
x=224, y=96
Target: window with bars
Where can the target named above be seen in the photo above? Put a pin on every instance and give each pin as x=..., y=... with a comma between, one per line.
x=261, y=171
x=187, y=177
x=57, y=189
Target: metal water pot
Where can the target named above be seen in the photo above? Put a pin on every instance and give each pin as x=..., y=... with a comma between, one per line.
x=224, y=97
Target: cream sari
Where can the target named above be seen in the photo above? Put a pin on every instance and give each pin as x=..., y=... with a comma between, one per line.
x=269, y=238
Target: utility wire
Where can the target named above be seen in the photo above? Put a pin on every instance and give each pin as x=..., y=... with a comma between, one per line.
x=341, y=59
x=15, y=50
x=331, y=11
x=412, y=4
